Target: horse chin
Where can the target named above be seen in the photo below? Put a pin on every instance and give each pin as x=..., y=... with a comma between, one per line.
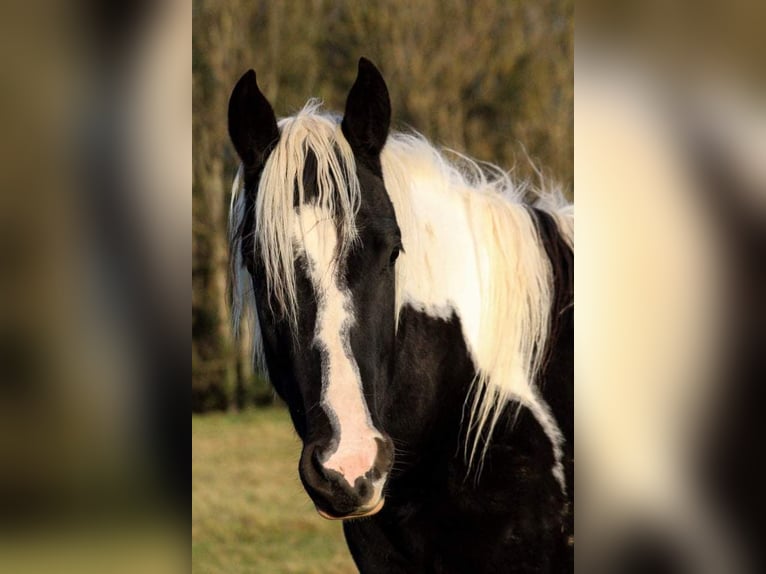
x=361, y=513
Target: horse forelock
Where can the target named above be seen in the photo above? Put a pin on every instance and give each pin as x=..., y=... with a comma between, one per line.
x=311, y=138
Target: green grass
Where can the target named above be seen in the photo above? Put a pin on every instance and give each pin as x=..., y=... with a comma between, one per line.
x=249, y=510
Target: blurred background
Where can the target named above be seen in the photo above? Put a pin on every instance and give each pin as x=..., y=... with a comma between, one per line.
x=95, y=211
x=490, y=78
x=670, y=165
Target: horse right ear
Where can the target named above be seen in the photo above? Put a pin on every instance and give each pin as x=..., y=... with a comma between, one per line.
x=252, y=124
x=368, y=111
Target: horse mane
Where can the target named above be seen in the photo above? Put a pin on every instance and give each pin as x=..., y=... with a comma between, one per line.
x=516, y=277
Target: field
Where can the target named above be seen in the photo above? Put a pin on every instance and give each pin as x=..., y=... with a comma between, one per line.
x=249, y=511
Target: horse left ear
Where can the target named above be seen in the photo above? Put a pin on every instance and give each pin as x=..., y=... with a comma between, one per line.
x=252, y=124
x=368, y=111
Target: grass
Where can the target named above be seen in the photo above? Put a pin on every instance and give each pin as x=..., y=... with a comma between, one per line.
x=249, y=510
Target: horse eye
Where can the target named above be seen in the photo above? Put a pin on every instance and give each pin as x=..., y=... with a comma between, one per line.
x=395, y=254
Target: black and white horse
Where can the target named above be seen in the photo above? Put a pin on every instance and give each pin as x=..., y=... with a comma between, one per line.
x=416, y=317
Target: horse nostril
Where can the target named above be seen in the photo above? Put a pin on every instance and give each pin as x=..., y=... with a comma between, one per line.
x=318, y=466
x=363, y=487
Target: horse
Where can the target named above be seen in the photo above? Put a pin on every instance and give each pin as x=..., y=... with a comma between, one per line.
x=415, y=313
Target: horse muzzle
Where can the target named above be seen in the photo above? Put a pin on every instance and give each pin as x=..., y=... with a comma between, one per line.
x=344, y=491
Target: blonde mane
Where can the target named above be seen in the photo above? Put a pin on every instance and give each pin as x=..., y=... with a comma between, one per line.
x=513, y=271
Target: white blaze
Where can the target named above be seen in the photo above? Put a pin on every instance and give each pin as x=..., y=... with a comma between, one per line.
x=342, y=394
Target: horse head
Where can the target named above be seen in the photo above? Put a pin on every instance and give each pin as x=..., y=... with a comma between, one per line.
x=319, y=237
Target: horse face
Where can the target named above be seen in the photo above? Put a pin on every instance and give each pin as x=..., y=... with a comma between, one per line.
x=346, y=325
x=332, y=361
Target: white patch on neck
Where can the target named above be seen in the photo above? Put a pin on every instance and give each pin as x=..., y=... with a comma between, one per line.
x=342, y=393
x=442, y=263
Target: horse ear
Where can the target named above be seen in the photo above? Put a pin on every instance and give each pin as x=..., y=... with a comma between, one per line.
x=252, y=124
x=368, y=111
